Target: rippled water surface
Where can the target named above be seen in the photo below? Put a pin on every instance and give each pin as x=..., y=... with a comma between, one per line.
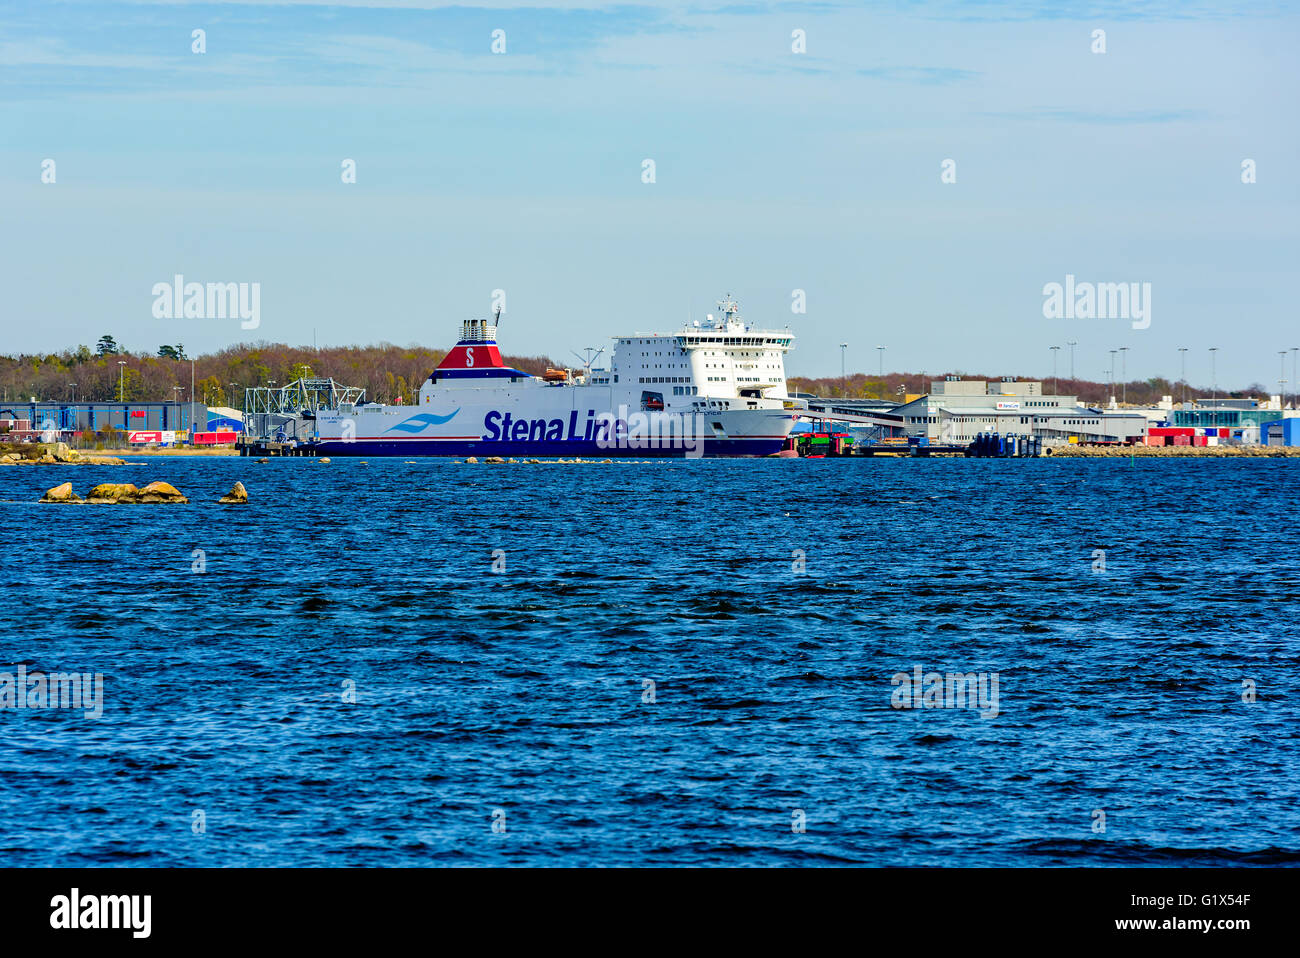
x=522, y=693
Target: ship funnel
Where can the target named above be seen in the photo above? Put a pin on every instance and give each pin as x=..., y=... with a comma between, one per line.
x=477, y=331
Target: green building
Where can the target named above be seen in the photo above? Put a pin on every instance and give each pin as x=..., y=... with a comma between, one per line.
x=1231, y=417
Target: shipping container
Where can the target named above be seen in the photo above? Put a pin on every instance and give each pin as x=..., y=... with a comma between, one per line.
x=216, y=438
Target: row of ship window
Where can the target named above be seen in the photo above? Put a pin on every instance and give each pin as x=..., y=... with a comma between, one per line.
x=735, y=341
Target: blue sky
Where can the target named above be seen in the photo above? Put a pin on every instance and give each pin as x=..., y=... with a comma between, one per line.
x=775, y=171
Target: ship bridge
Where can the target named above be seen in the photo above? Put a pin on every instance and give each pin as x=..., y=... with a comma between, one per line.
x=720, y=357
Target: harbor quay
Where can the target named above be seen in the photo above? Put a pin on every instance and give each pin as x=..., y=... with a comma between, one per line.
x=956, y=417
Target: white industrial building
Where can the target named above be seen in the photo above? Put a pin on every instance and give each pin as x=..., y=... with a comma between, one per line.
x=957, y=410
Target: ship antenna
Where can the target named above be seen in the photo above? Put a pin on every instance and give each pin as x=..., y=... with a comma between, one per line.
x=586, y=363
x=496, y=320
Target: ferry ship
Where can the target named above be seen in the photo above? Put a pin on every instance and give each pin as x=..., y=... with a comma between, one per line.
x=713, y=388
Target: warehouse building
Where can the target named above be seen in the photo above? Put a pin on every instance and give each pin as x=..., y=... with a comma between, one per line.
x=958, y=410
x=74, y=417
x=1280, y=432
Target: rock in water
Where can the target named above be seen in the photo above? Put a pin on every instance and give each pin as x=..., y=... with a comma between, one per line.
x=61, y=493
x=161, y=492
x=114, y=492
x=471, y=459
x=264, y=459
x=238, y=495
x=324, y=459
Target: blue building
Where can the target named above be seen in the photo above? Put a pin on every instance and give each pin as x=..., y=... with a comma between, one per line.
x=224, y=424
x=98, y=416
x=1280, y=432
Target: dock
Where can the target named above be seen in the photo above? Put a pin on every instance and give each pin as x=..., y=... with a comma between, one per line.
x=251, y=446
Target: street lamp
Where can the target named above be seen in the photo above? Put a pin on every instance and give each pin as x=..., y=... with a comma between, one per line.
x=1112, y=374
x=1072, y=343
x=880, y=352
x=1281, y=398
x=1123, y=360
x=1214, y=387
x=121, y=385
x=1056, y=383
x=1183, y=359
x=843, y=389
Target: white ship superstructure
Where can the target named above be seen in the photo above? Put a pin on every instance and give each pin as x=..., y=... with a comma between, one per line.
x=715, y=387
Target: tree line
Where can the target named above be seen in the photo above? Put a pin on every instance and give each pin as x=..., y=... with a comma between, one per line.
x=388, y=372
x=107, y=373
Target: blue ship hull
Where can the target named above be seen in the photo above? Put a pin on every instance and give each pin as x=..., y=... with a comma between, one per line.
x=710, y=448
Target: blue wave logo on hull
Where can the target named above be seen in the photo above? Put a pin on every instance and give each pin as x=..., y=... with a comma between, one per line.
x=422, y=422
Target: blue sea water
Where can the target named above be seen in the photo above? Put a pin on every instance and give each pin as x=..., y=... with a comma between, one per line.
x=770, y=602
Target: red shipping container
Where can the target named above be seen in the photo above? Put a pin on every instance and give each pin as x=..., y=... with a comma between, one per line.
x=213, y=438
x=1183, y=440
x=1155, y=440
x=1224, y=432
x=1200, y=440
x=1170, y=431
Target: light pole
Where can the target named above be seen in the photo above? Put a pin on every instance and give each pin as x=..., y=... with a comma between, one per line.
x=1214, y=387
x=1294, y=350
x=121, y=385
x=843, y=390
x=1072, y=343
x=235, y=394
x=880, y=353
x=1112, y=375
x=176, y=390
x=1056, y=383
x=1123, y=362
x=1183, y=379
